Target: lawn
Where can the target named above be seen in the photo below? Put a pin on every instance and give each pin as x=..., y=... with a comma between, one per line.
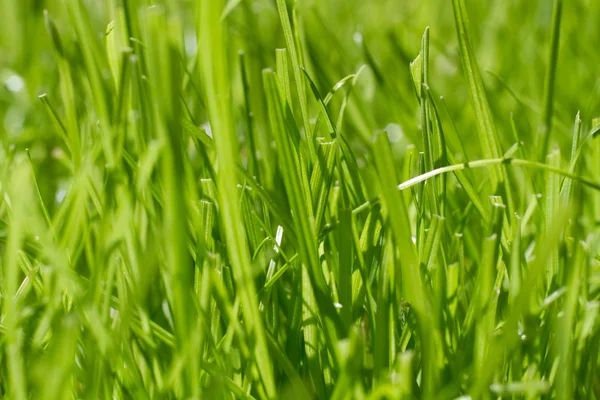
x=309, y=199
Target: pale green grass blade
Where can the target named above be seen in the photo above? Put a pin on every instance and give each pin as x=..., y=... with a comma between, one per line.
x=551, y=207
x=486, y=318
x=165, y=81
x=17, y=381
x=295, y=57
x=499, y=161
x=212, y=45
x=95, y=63
x=566, y=189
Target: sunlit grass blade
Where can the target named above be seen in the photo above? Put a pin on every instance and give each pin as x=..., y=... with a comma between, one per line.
x=303, y=216
x=290, y=40
x=276, y=199
x=486, y=128
x=212, y=45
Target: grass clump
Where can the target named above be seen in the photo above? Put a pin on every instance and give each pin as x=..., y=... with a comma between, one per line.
x=270, y=199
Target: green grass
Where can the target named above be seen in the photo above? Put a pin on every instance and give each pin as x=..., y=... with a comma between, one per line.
x=299, y=199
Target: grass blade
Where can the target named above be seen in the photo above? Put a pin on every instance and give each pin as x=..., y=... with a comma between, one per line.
x=490, y=142
x=212, y=45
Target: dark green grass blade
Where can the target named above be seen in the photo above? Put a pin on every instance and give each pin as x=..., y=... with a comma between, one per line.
x=545, y=126
x=409, y=282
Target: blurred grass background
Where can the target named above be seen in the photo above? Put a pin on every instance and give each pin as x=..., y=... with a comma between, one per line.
x=511, y=39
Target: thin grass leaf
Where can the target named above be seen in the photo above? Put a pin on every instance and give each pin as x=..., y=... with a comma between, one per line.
x=490, y=142
x=545, y=126
x=212, y=44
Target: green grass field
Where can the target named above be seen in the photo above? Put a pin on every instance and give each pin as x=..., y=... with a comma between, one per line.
x=310, y=199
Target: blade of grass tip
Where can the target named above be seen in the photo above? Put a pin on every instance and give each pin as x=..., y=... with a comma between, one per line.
x=300, y=42
x=140, y=99
x=330, y=127
x=212, y=46
x=198, y=133
x=270, y=204
x=517, y=137
x=303, y=218
x=39, y=193
x=455, y=142
x=346, y=99
x=567, y=186
x=341, y=83
x=281, y=61
x=95, y=62
x=409, y=280
x=425, y=122
x=115, y=43
x=66, y=91
x=416, y=73
x=431, y=242
x=351, y=171
x=131, y=21
x=545, y=126
x=498, y=161
x=290, y=42
x=421, y=66
x=122, y=102
x=60, y=126
x=595, y=129
x=229, y=7
x=490, y=142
